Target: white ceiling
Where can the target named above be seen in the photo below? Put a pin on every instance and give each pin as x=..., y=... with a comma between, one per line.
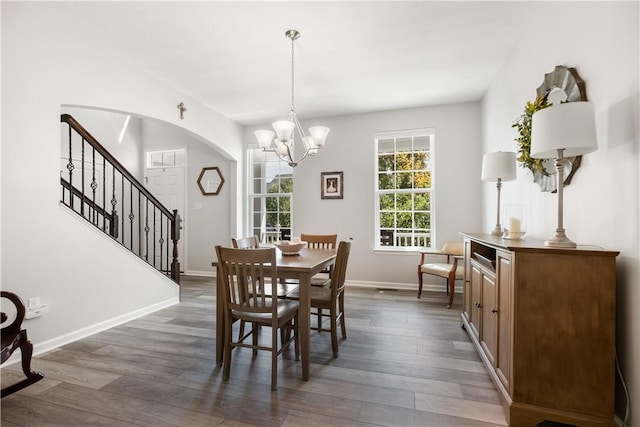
x=351, y=57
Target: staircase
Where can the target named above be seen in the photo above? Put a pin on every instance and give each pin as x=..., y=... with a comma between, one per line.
x=98, y=188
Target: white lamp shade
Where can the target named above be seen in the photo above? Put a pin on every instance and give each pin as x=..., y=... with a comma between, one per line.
x=501, y=164
x=308, y=142
x=284, y=129
x=570, y=127
x=319, y=134
x=264, y=138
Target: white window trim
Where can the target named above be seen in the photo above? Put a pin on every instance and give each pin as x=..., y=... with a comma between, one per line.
x=377, y=247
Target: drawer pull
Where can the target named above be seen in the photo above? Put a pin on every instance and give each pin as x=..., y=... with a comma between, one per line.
x=494, y=310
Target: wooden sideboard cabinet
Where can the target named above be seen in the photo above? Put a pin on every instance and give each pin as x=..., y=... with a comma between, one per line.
x=543, y=323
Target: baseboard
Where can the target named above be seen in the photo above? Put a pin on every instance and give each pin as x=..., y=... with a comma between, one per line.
x=200, y=273
x=57, y=342
x=428, y=287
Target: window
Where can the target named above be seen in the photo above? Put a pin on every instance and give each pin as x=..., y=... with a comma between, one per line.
x=165, y=158
x=404, y=189
x=270, y=196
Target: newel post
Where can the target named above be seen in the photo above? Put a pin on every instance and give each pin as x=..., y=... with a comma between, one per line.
x=175, y=237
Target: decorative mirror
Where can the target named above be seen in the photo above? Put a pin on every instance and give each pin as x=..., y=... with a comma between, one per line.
x=210, y=181
x=561, y=85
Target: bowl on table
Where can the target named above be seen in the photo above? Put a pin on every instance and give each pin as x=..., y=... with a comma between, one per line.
x=290, y=248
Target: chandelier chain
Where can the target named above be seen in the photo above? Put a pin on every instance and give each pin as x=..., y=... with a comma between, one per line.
x=293, y=40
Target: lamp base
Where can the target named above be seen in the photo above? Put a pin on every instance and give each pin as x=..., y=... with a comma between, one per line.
x=560, y=240
x=498, y=231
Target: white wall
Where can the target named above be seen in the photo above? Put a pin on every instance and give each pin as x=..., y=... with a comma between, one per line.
x=601, y=41
x=350, y=149
x=47, y=251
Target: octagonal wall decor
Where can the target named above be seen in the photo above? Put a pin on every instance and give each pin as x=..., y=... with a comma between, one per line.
x=210, y=181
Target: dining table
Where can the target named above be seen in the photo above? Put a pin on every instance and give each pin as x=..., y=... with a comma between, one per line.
x=302, y=266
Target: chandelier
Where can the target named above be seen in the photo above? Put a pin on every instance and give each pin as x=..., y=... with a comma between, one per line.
x=283, y=144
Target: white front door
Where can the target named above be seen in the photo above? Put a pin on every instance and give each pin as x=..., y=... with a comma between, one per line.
x=168, y=186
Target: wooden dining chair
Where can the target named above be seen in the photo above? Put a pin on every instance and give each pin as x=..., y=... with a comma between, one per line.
x=15, y=337
x=252, y=242
x=332, y=298
x=452, y=269
x=244, y=273
x=320, y=241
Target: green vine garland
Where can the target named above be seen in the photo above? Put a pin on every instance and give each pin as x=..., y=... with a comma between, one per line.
x=523, y=124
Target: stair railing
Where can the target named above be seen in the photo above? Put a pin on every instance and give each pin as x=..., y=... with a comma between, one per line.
x=96, y=186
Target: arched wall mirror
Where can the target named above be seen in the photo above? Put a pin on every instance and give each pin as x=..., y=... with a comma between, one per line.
x=210, y=181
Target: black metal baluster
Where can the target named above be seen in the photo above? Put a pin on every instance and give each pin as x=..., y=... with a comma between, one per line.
x=161, y=241
x=131, y=216
x=146, y=232
x=104, y=196
x=94, y=185
x=82, y=176
x=123, y=206
x=114, y=202
x=154, y=236
x=70, y=168
x=139, y=227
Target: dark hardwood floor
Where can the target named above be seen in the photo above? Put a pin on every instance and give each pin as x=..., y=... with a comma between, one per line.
x=406, y=362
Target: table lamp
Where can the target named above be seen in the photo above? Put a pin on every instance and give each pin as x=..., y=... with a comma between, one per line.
x=558, y=132
x=497, y=167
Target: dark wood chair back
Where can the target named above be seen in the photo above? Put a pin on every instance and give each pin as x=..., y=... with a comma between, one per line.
x=13, y=338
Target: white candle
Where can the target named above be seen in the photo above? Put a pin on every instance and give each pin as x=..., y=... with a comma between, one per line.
x=514, y=225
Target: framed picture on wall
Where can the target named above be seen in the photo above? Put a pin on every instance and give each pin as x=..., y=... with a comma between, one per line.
x=331, y=185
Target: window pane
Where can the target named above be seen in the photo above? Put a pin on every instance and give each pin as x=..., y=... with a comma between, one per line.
x=387, y=219
x=386, y=181
x=387, y=202
x=404, y=202
x=422, y=179
x=405, y=180
x=422, y=221
x=422, y=201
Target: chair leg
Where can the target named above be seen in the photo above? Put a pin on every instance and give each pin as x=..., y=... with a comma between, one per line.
x=419, y=283
x=254, y=336
x=334, y=330
x=342, y=324
x=296, y=337
x=274, y=358
x=227, y=349
x=451, y=287
x=319, y=314
x=26, y=348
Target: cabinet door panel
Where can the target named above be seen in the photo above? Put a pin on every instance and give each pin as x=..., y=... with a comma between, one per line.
x=505, y=281
x=468, y=299
x=489, y=338
x=476, y=299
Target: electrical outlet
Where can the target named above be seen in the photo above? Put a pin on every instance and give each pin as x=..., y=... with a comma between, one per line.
x=35, y=311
